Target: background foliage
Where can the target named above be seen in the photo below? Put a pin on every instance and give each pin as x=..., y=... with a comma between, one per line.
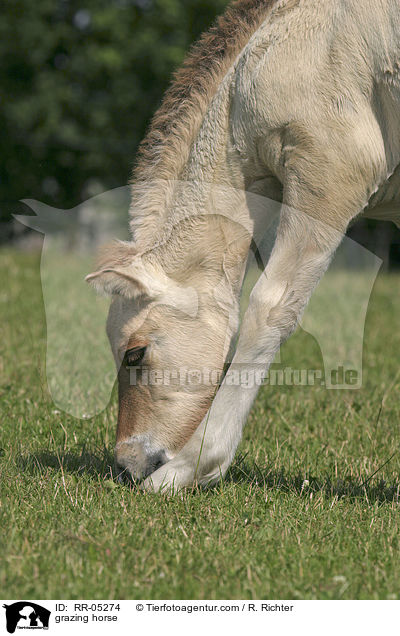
x=79, y=83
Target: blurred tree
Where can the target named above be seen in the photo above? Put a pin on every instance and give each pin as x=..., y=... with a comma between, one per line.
x=79, y=83
x=80, y=80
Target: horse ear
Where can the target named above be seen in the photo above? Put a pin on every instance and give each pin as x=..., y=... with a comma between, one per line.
x=122, y=271
x=131, y=285
x=118, y=281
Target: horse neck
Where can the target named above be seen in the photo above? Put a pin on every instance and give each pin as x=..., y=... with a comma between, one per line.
x=189, y=183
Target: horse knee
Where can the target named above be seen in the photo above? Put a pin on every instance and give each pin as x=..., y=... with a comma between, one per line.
x=283, y=318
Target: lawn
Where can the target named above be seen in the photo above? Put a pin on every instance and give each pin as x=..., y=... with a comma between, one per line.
x=310, y=508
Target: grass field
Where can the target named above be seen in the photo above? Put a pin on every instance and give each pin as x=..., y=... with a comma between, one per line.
x=310, y=508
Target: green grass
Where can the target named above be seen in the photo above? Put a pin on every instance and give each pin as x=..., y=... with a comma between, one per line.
x=310, y=508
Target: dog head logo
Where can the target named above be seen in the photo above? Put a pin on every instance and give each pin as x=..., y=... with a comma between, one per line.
x=26, y=615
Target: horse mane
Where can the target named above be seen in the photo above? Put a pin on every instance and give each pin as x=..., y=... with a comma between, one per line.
x=194, y=83
x=163, y=153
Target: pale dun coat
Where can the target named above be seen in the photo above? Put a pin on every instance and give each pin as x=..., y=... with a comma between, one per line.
x=297, y=100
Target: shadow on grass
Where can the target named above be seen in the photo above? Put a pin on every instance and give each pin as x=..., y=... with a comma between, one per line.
x=99, y=463
x=96, y=463
x=372, y=490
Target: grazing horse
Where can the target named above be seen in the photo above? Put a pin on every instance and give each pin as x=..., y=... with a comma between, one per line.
x=293, y=101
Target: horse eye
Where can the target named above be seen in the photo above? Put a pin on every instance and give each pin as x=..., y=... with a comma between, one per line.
x=134, y=357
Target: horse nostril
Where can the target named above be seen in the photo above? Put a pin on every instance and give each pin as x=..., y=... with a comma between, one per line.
x=158, y=464
x=157, y=461
x=133, y=464
x=122, y=473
